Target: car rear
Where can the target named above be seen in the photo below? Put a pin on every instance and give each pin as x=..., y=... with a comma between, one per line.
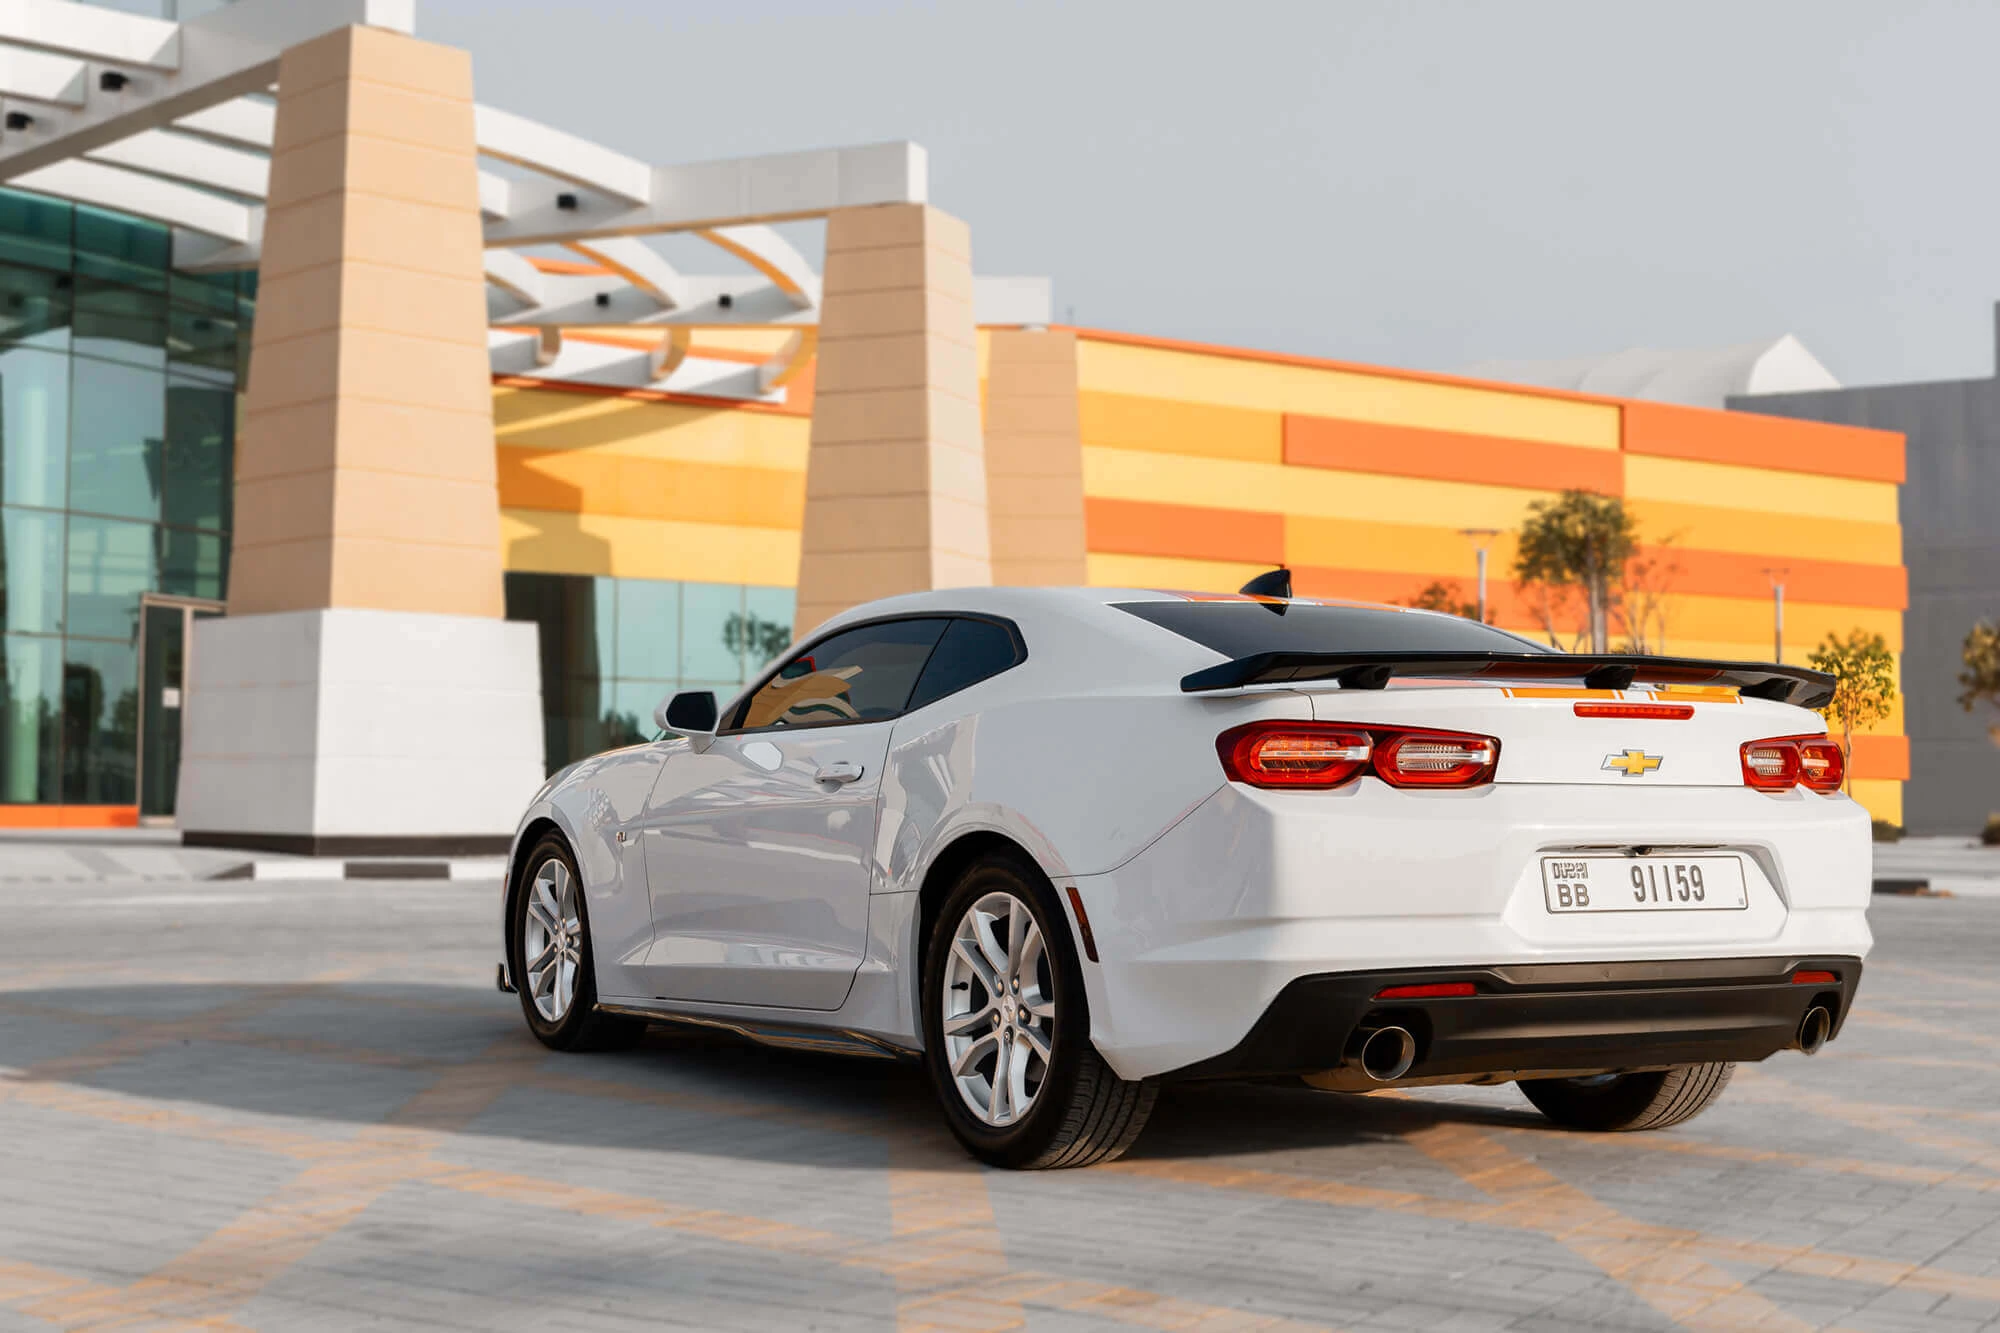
x=1526, y=877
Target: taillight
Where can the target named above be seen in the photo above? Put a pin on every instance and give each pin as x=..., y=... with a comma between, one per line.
x=1784, y=762
x=1436, y=759
x=1294, y=754
x=1330, y=754
x=1664, y=712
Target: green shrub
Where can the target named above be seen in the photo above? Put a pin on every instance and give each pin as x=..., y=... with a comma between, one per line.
x=1887, y=832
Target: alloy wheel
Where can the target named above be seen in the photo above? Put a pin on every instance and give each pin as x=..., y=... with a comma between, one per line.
x=998, y=1009
x=552, y=940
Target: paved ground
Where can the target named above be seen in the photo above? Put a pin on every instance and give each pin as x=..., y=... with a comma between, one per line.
x=273, y=1105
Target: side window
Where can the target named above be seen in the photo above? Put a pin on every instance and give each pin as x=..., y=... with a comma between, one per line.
x=860, y=676
x=969, y=652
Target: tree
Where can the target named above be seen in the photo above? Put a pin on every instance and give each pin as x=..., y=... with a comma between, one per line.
x=1864, y=674
x=758, y=641
x=1443, y=595
x=1981, y=677
x=1642, y=596
x=1579, y=544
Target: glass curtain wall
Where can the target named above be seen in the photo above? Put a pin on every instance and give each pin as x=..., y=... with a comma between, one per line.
x=118, y=405
x=613, y=648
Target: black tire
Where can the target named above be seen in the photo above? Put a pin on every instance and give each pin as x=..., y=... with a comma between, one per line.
x=1082, y=1113
x=583, y=1026
x=1621, y=1102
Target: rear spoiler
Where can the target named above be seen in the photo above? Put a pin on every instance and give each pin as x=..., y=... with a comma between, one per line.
x=1372, y=671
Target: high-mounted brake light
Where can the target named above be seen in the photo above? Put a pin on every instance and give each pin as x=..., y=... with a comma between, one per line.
x=1664, y=712
x=1330, y=754
x=1783, y=762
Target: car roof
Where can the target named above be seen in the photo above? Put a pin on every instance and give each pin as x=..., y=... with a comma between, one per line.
x=1013, y=601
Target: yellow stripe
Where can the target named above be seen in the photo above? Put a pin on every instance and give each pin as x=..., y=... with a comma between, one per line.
x=1883, y=798
x=1414, y=548
x=608, y=482
x=1689, y=482
x=1706, y=527
x=1152, y=571
x=549, y=419
x=554, y=543
x=1746, y=624
x=1226, y=381
x=1126, y=474
x=1120, y=421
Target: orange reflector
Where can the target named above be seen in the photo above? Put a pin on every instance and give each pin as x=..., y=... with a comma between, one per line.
x=1083, y=924
x=1805, y=978
x=1436, y=990
x=1664, y=712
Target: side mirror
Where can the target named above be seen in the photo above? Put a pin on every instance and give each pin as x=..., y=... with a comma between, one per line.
x=691, y=713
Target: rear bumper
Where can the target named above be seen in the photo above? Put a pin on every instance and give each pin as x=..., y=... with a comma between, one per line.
x=1527, y=1020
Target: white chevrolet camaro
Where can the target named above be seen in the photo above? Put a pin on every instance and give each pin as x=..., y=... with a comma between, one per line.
x=1064, y=845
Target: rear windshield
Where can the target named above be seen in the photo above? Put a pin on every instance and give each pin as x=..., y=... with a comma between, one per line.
x=1239, y=629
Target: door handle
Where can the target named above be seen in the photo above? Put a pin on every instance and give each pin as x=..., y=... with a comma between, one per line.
x=840, y=770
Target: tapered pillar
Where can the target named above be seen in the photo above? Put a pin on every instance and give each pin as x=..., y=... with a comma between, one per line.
x=1034, y=458
x=363, y=691
x=896, y=479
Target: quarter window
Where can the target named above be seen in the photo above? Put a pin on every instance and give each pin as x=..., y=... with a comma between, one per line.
x=865, y=674
x=969, y=652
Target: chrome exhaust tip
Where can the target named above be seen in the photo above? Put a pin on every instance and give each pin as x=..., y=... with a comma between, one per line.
x=1385, y=1053
x=1814, y=1029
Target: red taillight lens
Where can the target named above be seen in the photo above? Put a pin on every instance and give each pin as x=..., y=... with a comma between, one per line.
x=1663, y=712
x=1822, y=766
x=1436, y=759
x=1435, y=990
x=1771, y=765
x=1294, y=754
x=1329, y=754
x=1783, y=762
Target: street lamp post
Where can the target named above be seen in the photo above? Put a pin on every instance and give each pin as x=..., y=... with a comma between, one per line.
x=1777, y=577
x=1483, y=536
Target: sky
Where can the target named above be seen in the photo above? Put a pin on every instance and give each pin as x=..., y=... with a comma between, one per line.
x=1415, y=183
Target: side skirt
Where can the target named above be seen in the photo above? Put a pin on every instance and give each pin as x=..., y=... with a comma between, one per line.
x=789, y=1036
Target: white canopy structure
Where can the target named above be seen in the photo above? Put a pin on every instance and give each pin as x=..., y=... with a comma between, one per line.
x=1696, y=377
x=172, y=122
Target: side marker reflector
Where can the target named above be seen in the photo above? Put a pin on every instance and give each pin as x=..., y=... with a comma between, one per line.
x=1436, y=990
x=1803, y=977
x=1083, y=924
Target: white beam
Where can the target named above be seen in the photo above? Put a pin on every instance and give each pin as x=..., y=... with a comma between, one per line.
x=185, y=158
x=516, y=277
x=773, y=256
x=639, y=264
x=143, y=196
x=224, y=54
x=244, y=121
x=40, y=77
x=778, y=188
x=93, y=32
x=526, y=143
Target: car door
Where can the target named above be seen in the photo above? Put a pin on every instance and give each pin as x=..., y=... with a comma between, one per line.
x=759, y=851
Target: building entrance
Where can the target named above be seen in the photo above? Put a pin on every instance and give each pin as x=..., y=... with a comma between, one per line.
x=166, y=633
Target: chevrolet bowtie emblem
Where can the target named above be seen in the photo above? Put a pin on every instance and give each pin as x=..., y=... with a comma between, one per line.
x=1632, y=763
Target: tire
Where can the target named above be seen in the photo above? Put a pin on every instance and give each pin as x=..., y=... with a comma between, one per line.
x=1077, y=1111
x=577, y=1024
x=1629, y=1101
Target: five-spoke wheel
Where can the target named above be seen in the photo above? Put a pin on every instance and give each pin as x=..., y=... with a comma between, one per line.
x=999, y=1009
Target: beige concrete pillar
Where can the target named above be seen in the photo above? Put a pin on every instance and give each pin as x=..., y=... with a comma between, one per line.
x=1034, y=457
x=896, y=479
x=365, y=467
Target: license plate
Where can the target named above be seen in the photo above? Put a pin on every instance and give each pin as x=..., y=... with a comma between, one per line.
x=1644, y=883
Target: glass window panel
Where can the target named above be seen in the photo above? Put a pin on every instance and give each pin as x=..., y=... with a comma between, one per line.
x=34, y=230
x=766, y=627
x=192, y=564
x=214, y=292
x=117, y=436
x=34, y=307
x=709, y=648
x=100, y=723
x=109, y=565
x=202, y=346
x=30, y=717
x=122, y=323
x=578, y=719
x=200, y=447
x=34, y=427
x=31, y=545
x=859, y=675
x=635, y=700
x=969, y=652
x=574, y=614
x=649, y=627
x=122, y=249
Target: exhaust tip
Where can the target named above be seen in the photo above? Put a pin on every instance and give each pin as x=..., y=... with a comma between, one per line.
x=1387, y=1053
x=1814, y=1029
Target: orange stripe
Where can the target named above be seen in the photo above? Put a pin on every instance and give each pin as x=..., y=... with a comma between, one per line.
x=1881, y=757
x=588, y=481
x=69, y=816
x=1750, y=440
x=1412, y=451
x=570, y=267
x=1139, y=527
x=1834, y=582
x=1504, y=606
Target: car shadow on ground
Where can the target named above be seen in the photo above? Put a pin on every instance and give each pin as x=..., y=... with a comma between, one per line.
x=359, y=1053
